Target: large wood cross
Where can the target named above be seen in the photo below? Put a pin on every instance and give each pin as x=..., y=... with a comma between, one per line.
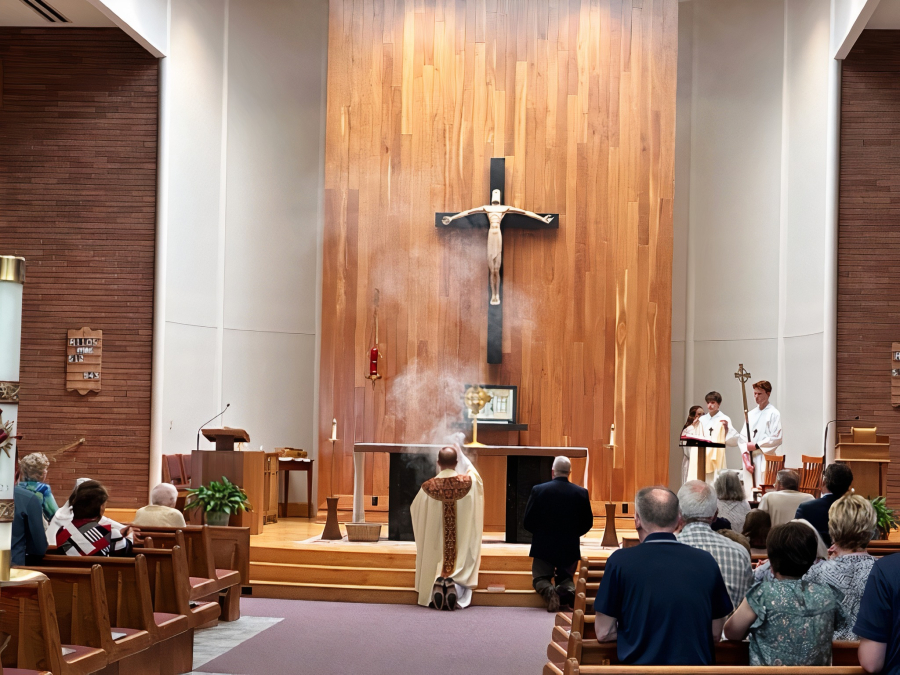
x=509, y=220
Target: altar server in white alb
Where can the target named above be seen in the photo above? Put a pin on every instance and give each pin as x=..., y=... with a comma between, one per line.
x=716, y=426
x=763, y=436
x=448, y=521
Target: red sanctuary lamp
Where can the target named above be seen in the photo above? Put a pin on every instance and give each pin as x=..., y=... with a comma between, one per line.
x=373, y=357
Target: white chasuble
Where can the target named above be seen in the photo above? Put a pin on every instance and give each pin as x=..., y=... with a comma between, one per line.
x=765, y=432
x=448, y=522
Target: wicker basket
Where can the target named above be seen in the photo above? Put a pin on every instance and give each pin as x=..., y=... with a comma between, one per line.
x=363, y=531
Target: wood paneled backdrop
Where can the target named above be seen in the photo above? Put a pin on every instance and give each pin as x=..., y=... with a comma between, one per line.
x=78, y=126
x=869, y=239
x=579, y=97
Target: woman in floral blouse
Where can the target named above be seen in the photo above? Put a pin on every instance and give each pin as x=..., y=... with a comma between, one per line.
x=790, y=620
x=851, y=523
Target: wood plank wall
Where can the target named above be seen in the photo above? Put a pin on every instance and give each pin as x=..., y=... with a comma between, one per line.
x=579, y=97
x=869, y=239
x=78, y=130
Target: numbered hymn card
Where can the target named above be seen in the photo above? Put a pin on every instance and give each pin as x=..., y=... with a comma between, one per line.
x=84, y=349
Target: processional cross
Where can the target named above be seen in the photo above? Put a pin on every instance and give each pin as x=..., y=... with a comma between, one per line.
x=497, y=217
x=743, y=376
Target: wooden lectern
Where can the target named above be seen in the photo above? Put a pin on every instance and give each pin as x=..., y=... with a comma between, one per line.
x=225, y=438
x=246, y=469
x=867, y=454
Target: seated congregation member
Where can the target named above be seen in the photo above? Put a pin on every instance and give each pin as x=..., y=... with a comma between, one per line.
x=733, y=506
x=756, y=528
x=448, y=522
x=698, y=504
x=878, y=622
x=86, y=534
x=161, y=512
x=851, y=522
x=32, y=476
x=764, y=571
x=782, y=504
x=790, y=621
x=665, y=603
x=836, y=480
x=29, y=541
x=736, y=537
x=63, y=515
x=558, y=514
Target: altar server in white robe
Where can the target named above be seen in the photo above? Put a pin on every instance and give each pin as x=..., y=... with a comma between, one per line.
x=763, y=437
x=691, y=429
x=716, y=427
x=448, y=521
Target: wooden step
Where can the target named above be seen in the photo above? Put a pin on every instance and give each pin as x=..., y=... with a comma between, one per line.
x=324, y=554
x=372, y=576
x=383, y=594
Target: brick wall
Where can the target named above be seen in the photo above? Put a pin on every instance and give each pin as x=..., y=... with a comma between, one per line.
x=78, y=127
x=869, y=238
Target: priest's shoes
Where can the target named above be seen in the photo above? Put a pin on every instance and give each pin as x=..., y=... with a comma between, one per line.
x=438, y=594
x=450, y=594
x=552, y=598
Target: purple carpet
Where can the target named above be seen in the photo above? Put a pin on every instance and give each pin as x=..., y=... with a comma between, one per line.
x=337, y=638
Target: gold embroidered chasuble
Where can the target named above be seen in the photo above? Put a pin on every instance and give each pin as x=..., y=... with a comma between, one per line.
x=448, y=522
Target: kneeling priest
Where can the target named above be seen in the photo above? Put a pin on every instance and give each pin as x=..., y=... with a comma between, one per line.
x=448, y=521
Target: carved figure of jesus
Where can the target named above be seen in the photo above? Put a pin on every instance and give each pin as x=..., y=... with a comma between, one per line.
x=495, y=212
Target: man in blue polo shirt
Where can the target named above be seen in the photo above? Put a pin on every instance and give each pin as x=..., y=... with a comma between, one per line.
x=664, y=601
x=878, y=621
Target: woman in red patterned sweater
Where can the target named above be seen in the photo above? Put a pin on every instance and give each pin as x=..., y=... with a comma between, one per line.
x=85, y=535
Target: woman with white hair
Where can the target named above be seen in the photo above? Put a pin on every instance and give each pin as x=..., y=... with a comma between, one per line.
x=161, y=512
x=32, y=474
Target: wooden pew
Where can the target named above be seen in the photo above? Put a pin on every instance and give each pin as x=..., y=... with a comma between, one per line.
x=29, y=617
x=572, y=668
x=728, y=653
x=130, y=600
x=82, y=612
x=171, y=589
x=206, y=578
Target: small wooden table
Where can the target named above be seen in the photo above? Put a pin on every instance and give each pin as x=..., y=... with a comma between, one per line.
x=288, y=464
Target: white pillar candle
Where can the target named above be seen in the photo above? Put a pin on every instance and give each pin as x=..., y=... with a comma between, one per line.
x=12, y=278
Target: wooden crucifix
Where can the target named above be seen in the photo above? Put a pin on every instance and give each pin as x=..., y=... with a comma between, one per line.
x=497, y=217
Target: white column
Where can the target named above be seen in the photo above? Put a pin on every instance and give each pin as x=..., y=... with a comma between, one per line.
x=359, y=487
x=832, y=185
x=12, y=279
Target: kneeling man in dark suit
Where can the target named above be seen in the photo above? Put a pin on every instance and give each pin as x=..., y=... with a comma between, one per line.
x=558, y=514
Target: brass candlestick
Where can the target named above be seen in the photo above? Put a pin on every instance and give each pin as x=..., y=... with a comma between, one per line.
x=475, y=399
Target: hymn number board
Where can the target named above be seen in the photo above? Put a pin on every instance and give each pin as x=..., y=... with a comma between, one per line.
x=84, y=350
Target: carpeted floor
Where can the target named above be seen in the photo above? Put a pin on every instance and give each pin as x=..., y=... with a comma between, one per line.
x=339, y=638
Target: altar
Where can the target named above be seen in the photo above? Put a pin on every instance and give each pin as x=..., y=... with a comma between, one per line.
x=413, y=464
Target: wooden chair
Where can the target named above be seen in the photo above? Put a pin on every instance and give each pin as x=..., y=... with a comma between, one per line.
x=186, y=468
x=774, y=464
x=29, y=617
x=130, y=600
x=173, y=471
x=171, y=588
x=206, y=578
x=82, y=612
x=811, y=475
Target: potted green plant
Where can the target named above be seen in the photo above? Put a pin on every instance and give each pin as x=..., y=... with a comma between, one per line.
x=885, y=518
x=218, y=500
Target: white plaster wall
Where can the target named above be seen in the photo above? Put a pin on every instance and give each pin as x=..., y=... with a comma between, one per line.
x=750, y=209
x=144, y=20
x=246, y=92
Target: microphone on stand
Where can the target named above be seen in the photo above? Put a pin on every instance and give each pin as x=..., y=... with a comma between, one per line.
x=227, y=405
x=825, y=442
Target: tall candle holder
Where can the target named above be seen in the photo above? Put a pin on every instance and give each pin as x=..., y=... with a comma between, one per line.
x=332, y=529
x=610, y=537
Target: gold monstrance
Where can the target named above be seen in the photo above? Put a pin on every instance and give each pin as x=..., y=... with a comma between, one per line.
x=476, y=398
